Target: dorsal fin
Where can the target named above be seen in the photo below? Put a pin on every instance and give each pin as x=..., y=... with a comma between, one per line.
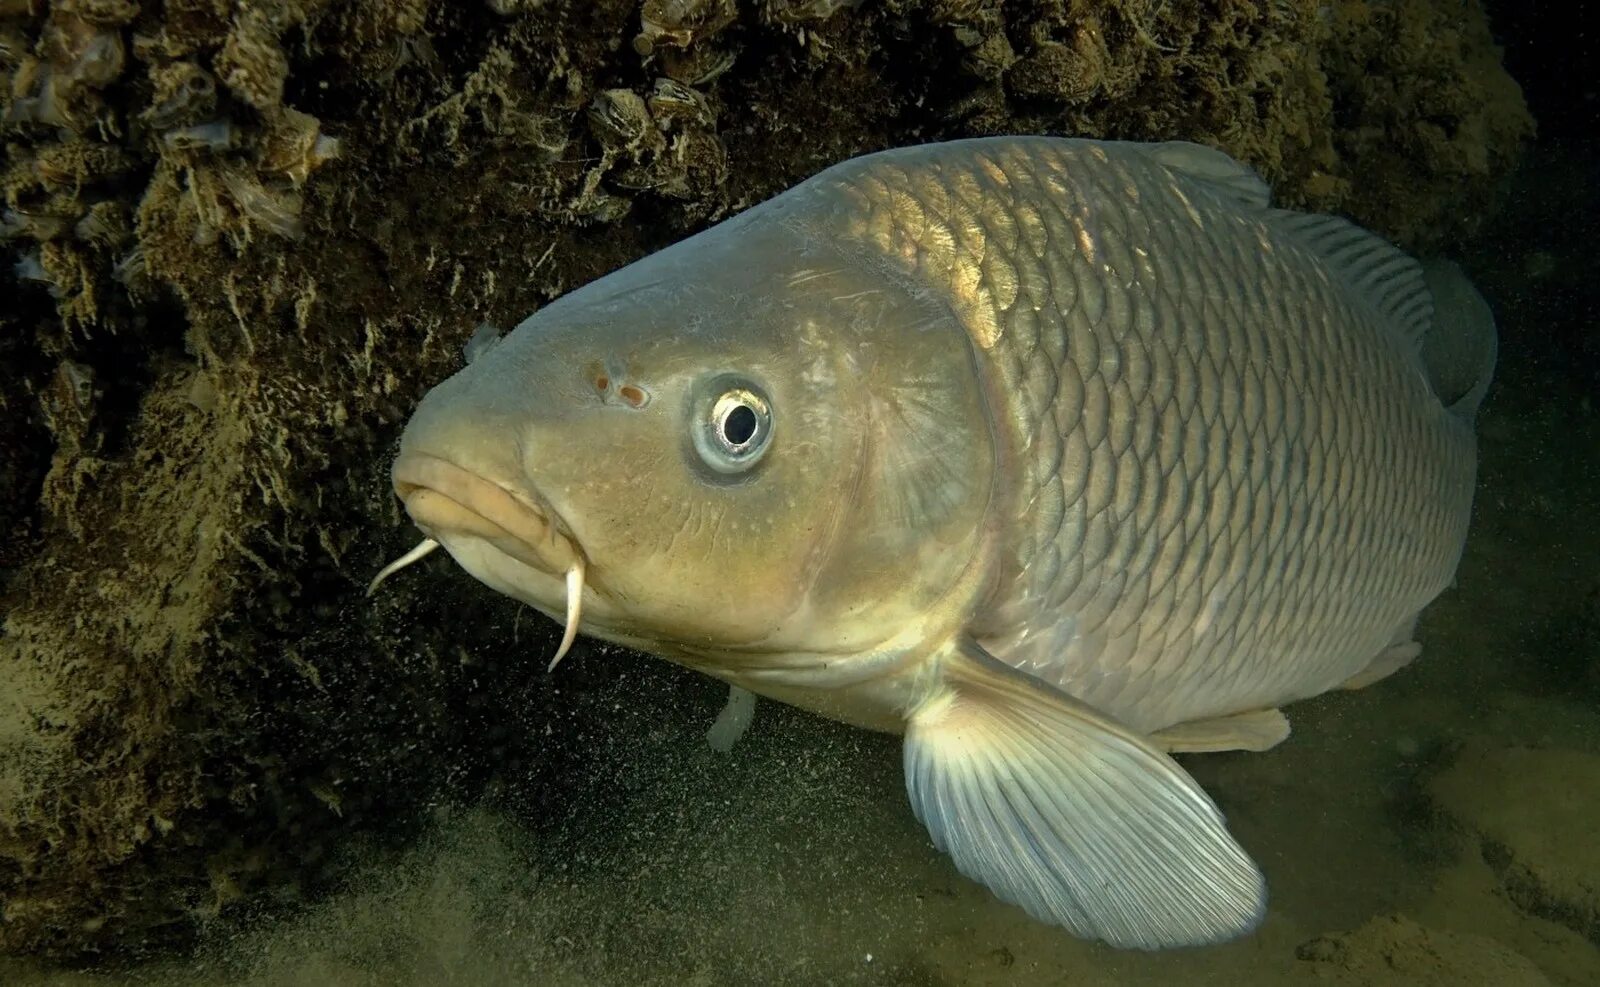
x=1219, y=171
x=1390, y=279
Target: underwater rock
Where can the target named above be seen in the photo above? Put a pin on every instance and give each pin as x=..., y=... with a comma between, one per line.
x=1531, y=813
x=252, y=64
x=1061, y=72
x=107, y=13
x=621, y=123
x=683, y=36
x=185, y=94
x=800, y=12
x=74, y=165
x=681, y=23
x=105, y=226
x=60, y=88
x=675, y=106
x=216, y=135
x=38, y=226
x=294, y=145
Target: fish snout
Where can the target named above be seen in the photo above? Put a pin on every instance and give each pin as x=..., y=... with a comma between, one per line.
x=448, y=501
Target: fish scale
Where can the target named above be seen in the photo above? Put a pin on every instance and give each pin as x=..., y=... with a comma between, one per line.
x=1292, y=484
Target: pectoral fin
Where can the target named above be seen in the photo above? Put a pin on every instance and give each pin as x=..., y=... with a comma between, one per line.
x=733, y=721
x=1057, y=808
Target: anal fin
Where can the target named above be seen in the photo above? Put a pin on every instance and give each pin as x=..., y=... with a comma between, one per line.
x=1256, y=730
x=1389, y=661
x=1060, y=809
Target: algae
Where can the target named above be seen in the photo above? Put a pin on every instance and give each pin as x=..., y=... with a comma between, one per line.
x=246, y=237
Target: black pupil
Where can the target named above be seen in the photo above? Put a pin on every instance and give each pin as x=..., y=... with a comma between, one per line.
x=740, y=425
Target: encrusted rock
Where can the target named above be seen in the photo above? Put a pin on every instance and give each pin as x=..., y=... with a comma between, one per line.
x=675, y=106
x=104, y=226
x=295, y=146
x=110, y=13
x=185, y=94
x=794, y=12
x=252, y=63
x=621, y=121
x=680, y=23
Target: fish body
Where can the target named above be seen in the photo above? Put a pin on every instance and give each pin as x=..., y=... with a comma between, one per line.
x=1230, y=482
x=1056, y=456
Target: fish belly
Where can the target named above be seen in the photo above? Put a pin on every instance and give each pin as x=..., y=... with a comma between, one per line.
x=1226, y=482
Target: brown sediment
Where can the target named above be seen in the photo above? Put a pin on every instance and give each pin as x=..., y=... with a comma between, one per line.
x=243, y=239
x=1395, y=948
x=1529, y=813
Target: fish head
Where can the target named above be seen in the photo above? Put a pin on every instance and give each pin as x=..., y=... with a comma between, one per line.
x=756, y=442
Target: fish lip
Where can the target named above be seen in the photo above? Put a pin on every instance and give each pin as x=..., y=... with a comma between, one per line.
x=446, y=499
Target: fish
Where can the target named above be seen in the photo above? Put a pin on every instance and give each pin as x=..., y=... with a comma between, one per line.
x=1057, y=457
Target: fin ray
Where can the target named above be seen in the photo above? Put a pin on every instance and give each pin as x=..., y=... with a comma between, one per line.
x=1375, y=269
x=1064, y=812
x=1255, y=730
x=1391, y=279
x=1218, y=170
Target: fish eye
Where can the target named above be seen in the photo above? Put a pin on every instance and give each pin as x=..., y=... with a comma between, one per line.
x=734, y=426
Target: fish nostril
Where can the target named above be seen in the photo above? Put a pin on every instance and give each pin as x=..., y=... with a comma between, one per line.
x=634, y=396
x=602, y=383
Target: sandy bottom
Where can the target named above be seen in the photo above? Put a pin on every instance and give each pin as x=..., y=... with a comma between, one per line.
x=1431, y=829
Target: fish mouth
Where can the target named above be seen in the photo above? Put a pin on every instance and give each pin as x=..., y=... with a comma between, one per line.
x=446, y=500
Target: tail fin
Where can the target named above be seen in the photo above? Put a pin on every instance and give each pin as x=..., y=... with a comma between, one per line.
x=1460, y=346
